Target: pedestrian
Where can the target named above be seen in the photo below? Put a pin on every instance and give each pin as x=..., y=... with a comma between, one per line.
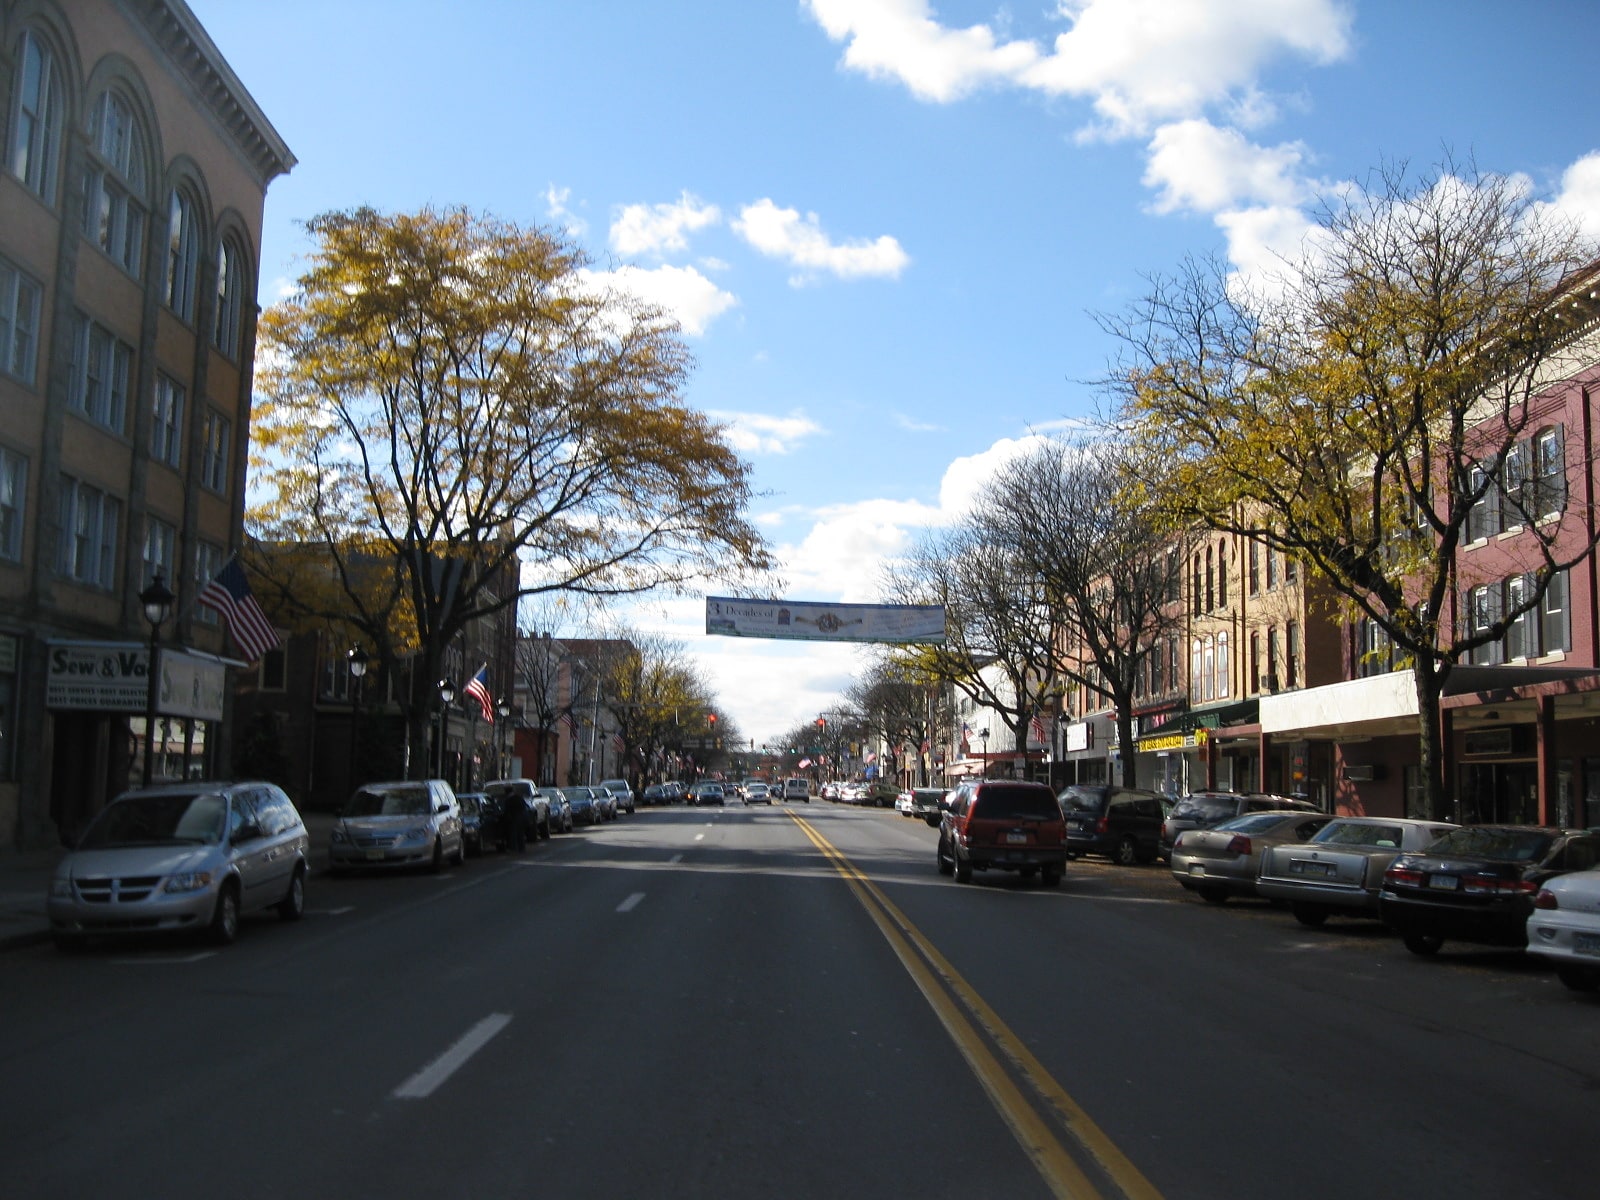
x=515, y=820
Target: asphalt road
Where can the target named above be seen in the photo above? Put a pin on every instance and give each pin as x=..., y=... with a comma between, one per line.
x=788, y=1002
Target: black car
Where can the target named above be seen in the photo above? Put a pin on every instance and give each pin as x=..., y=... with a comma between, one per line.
x=473, y=823
x=1477, y=883
x=1123, y=824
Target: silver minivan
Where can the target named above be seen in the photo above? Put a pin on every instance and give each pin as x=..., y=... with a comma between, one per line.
x=407, y=823
x=182, y=857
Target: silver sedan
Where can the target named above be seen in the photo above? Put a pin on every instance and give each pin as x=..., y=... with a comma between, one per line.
x=1222, y=861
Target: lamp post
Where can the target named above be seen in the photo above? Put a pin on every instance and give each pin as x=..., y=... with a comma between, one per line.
x=357, y=658
x=157, y=601
x=983, y=736
x=504, y=709
x=447, y=697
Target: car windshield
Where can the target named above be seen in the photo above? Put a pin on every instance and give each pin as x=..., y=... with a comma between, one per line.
x=1255, y=823
x=389, y=802
x=575, y=793
x=1360, y=833
x=1005, y=802
x=1501, y=845
x=141, y=820
x=1082, y=799
x=1206, y=809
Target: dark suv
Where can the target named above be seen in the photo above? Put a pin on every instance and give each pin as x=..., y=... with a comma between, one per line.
x=1203, y=810
x=1124, y=824
x=1003, y=825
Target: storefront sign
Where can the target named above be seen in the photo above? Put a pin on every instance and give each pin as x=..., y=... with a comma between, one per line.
x=1192, y=740
x=113, y=677
x=1080, y=736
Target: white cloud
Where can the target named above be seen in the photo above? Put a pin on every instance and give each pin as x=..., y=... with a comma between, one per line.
x=1197, y=165
x=1264, y=243
x=783, y=233
x=657, y=229
x=760, y=433
x=912, y=425
x=688, y=295
x=1136, y=61
x=1579, y=198
x=555, y=204
x=966, y=477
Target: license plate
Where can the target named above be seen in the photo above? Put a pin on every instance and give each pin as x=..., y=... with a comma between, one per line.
x=1197, y=869
x=1301, y=867
x=375, y=854
x=1016, y=839
x=1444, y=883
x=1586, y=943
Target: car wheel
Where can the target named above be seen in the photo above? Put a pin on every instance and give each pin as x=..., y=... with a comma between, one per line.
x=438, y=855
x=945, y=864
x=1127, y=852
x=225, y=918
x=1313, y=915
x=544, y=830
x=1424, y=944
x=963, y=869
x=293, y=905
x=1579, y=979
x=461, y=852
x=1212, y=894
x=1050, y=876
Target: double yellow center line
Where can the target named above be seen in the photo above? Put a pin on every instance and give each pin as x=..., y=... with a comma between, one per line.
x=1067, y=1147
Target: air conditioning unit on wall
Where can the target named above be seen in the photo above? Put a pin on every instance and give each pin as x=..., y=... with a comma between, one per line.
x=1363, y=772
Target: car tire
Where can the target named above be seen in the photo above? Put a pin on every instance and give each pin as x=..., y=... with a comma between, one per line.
x=1311, y=915
x=544, y=830
x=461, y=852
x=1579, y=979
x=963, y=868
x=946, y=864
x=224, y=927
x=1126, y=852
x=1424, y=945
x=1050, y=876
x=293, y=905
x=1212, y=894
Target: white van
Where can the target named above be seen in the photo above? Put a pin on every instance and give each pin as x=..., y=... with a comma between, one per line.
x=797, y=789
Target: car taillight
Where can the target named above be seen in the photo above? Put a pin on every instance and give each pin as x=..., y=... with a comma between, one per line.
x=1409, y=876
x=1239, y=844
x=1102, y=825
x=1545, y=899
x=1494, y=885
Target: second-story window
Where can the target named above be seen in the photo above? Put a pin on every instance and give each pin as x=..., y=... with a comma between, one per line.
x=207, y=565
x=87, y=548
x=1291, y=660
x=1223, y=666
x=20, y=298
x=1255, y=663
x=1550, y=473
x=160, y=548
x=166, y=425
x=230, y=298
x=1222, y=576
x=13, y=501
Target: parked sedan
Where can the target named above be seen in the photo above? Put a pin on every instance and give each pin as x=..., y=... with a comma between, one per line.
x=407, y=823
x=927, y=803
x=473, y=826
x=1206, y=810
x=1565, y=928
x=1340, y=870
x=181, y=858
x=560, y=810
x=585, y=809
x=1477, y=884
x=1223, y=861
x=535, y=808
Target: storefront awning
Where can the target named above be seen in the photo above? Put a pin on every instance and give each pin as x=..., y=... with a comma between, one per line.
x=1467, y=679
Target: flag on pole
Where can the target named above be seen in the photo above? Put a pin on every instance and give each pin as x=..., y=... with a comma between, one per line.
x=478, y=689
x=1036, y=729
x=229, y=593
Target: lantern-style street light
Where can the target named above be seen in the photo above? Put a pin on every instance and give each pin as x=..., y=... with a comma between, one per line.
x=157, y=601
x=357, y=659
x=447, y=697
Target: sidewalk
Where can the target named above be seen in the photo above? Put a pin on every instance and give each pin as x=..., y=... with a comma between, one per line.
x=25, y=881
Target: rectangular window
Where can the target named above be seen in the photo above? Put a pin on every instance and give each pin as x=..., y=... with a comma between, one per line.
x=20, y=299
x=37, y=133
x=1273, y=677
x=1196, y=670
x=274, y=673
x=1483, y=610
x=1222, y=666
x=1520, y=634
x=1483, y=520
x=230, y=300
x=207, y=563
x=1272, y=568
x=1222, y=576
x=166, y=426
x=1255, y=569
x=1516, y=491
x=183, y=256
x=1255, y=663
x=214, y=452
x=1555, y=617
x=1550, y=465
x=1291, y=664
x=160, y=544
x=13, y=500
x=87, y=547
x=101, y=368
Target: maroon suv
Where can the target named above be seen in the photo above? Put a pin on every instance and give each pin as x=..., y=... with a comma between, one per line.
x=1003, y=825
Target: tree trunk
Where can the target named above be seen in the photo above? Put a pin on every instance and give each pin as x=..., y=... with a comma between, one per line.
x=1127, y=755
x=1437, y=803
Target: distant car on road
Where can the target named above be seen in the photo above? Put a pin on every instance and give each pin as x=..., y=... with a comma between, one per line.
x=585, y=809
x=621, y=791
x=925, y=803
x=797, y=788
x=703, y=794
x=757, y=793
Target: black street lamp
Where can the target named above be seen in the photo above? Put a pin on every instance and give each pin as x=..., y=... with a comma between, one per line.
x=357, y=658
x=157, y=602
x=983, y=736
x=447, y=697
x=504, y=709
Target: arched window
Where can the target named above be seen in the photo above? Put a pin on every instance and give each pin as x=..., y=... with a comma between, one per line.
x=1211, y=582
x=1222, y=666
x=230, y=298
x=1222, y=575
x=36, y=127
x=116, y=183
x=183, y=254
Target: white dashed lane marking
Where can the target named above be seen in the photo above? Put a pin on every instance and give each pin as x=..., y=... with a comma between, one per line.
x=422, y=1085
x=630, y=903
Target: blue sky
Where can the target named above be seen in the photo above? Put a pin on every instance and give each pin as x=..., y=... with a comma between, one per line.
x=886, y=225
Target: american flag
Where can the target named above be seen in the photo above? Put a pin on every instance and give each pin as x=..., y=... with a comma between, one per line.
x=229, y=593
x=478, y=689
x=1036, y=729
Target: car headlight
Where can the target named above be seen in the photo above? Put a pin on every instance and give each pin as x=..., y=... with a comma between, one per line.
x=191, y=881
x=61, y=888
x=419, y=833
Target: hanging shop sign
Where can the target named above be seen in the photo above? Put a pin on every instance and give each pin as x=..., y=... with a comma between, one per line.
x=114, y=677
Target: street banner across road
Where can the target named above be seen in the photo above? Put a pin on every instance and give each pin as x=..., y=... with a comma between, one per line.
x=806, y=621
